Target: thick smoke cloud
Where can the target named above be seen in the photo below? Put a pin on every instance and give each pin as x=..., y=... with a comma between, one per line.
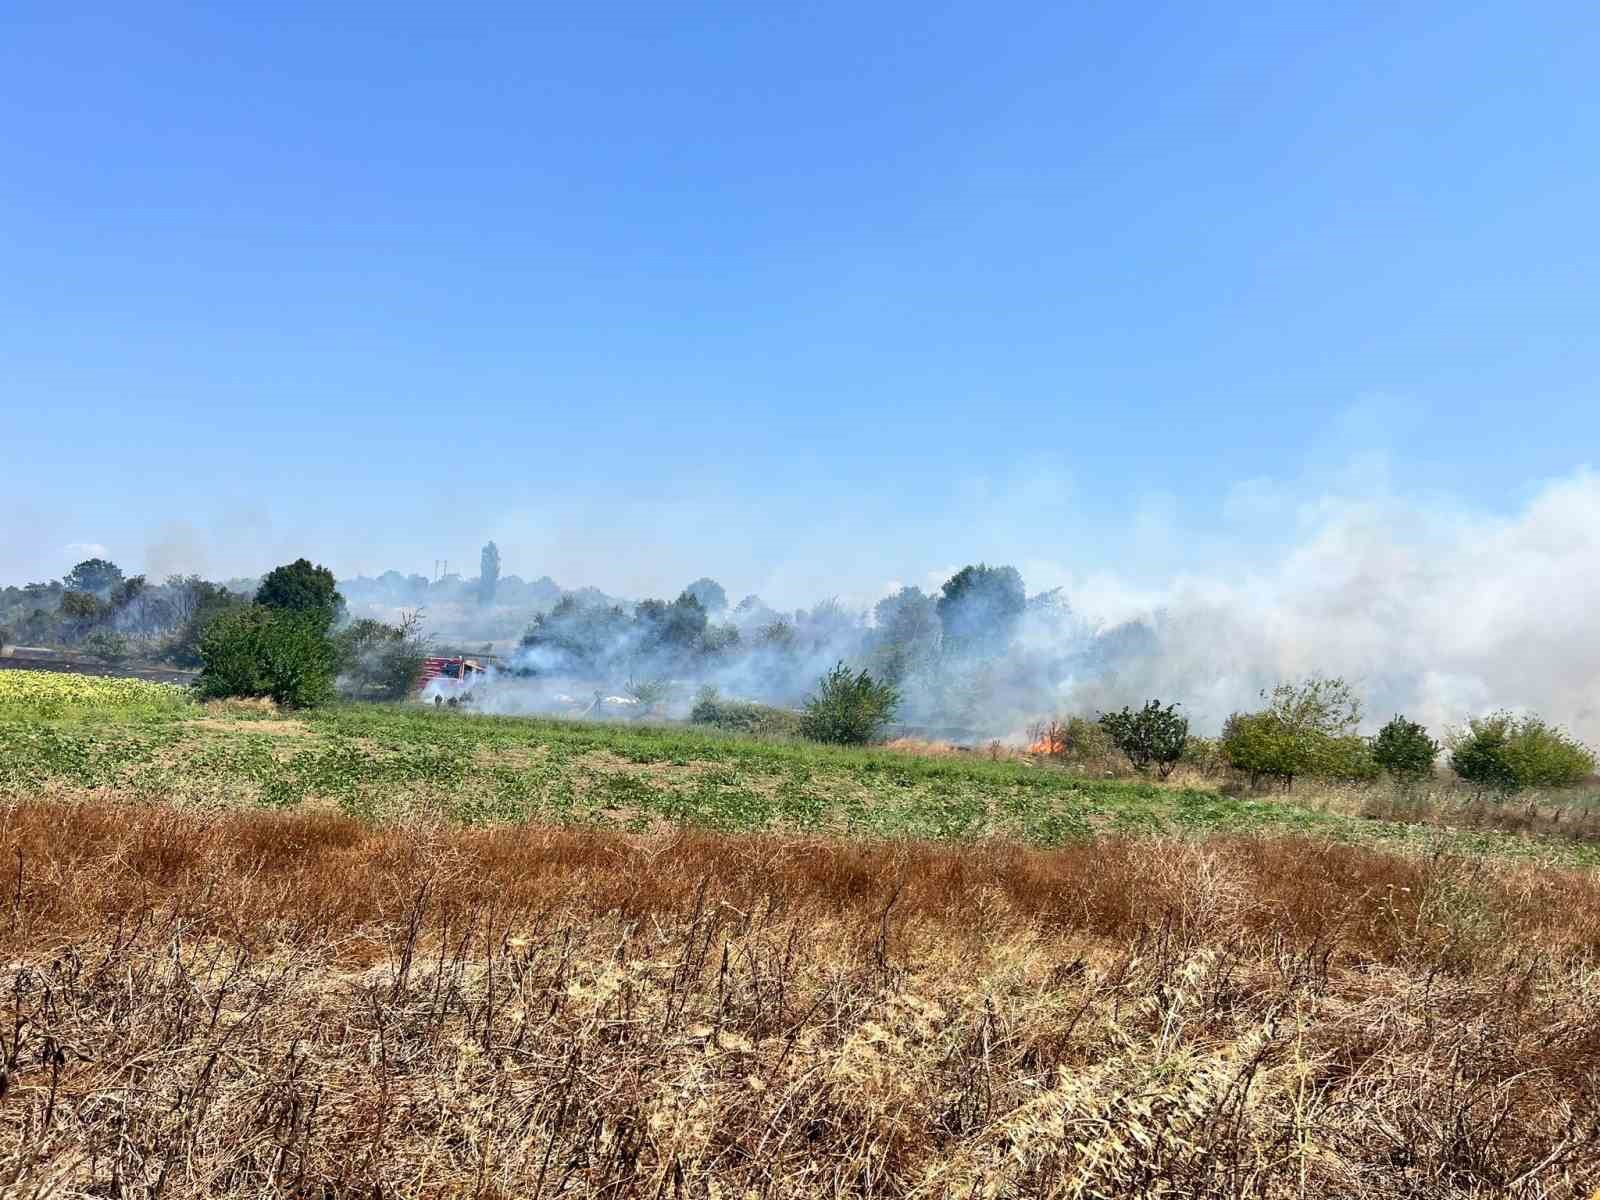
x=1429, y=609
x=1426, y=607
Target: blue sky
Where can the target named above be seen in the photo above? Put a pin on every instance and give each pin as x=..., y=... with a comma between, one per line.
x=810, y=298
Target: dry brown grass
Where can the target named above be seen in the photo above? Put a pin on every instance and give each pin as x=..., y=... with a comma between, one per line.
x=302, y=1005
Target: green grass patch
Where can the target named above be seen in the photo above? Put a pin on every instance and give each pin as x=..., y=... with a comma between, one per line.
x=378, y=762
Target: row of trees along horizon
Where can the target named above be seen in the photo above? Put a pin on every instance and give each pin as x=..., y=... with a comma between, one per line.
x=292, y=639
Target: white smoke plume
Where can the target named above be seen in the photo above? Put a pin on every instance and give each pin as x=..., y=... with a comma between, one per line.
x=1428, y=608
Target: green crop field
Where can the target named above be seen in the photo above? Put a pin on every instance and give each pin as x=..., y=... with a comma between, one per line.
x=388, y=763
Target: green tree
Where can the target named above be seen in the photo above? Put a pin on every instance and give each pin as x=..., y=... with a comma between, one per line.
x=107, y=646
x=488, y=574
x=1259, y=745
x=301, y=587
x=1153, y=736
x=1307, y=727
x=979, y=608
x=374, y=660
x=710, y=593
x=848, y=708
x=97, y=576
x=261, y=651
x=1506, y=753
x=905, y=634
x=202, y=602
x=1404, y=749
x=82, y=606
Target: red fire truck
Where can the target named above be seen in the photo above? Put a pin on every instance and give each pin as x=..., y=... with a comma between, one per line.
x=449, y=680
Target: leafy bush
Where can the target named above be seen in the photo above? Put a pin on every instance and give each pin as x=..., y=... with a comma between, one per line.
x=82, y=606
x=259, y=651
x=848, y=708
x=107, y=646
x=1261, y=746
x=377, y=661
x=742, y=716
x=1507, y=753
x=1404, y=749
x=1153, y=736
x=1306, y=728
x=1347, y=757
x=204, y=602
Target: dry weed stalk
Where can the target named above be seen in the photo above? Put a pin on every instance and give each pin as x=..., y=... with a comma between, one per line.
x=249, y=1005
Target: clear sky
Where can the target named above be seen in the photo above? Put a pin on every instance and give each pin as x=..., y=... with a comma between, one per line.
x=810, y=297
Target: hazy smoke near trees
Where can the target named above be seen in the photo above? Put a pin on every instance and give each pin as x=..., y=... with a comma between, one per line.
x=1432, y=611
x=1427, y=608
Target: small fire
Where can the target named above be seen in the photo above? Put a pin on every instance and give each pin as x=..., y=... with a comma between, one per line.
x=1049, y=738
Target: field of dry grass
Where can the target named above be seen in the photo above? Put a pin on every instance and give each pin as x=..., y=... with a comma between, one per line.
x=304, y=1004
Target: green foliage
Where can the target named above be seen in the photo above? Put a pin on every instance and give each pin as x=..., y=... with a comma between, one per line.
x=97, y=576
x=261, y=651
x=129, y=590
x=906, y=633
x=1261, y=746
x=300, y=587
x=576, y=637
x=1317, y=704
x=1153, y=736
x=107, y=646
x=742, y=716
x=82, y=606
x=1506, y=753
x=711, y=594
x=848, y=708
x=778, y=635
x=1347, y=757
x=1307, y=728
x=679, y=626
x=979, y=607
x=395, y=762
x=204, y=603
x=1404, y=749
x=378, y=661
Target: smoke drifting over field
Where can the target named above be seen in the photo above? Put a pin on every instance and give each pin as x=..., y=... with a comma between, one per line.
x=1427, y=609
x=1430, y=611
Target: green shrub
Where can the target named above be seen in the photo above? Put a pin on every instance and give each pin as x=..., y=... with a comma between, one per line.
x=204, y=602
x=1404, y=749
x=1153, y=736
x=848, y=708
x=257, y=651
x=1507, y=753
x=1348, y=757
x=107, y=646
x=742, y=716
x=1307, y=728
x=1263, y=747
x=378, y=661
